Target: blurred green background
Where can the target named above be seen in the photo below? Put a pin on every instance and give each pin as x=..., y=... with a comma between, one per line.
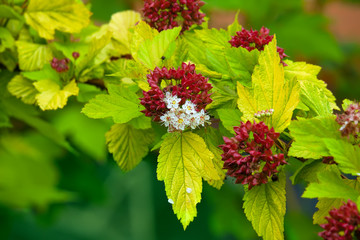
x=101, y=202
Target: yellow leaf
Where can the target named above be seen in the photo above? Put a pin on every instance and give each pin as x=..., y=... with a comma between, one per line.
x=33, y=56
x=183, y=161
x=269, y=91
x=142, y=32
x=22, y=88
x=120, y=24
x=51, y=97
x=63, y=15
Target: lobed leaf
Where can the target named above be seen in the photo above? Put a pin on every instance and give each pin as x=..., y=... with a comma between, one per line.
x=265, y=207
x=183, y=161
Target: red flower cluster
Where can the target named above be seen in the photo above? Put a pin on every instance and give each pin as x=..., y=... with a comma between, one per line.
x=255, y=40
x=251, y=161
x=343, y=223
x=184, y=83
x=162, y=15
x=60, y=65
x=350, y=121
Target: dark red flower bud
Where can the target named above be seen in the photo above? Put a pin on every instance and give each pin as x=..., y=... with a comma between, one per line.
x=343, y=223
x=162, y=15
x=75, y=55
x=251, y=160
x=251, y=40
x=350, y=121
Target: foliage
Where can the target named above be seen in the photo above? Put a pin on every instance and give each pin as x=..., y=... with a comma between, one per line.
x=57, y=62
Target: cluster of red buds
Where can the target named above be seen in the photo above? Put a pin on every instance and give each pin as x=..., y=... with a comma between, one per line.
x=253, y=39
x=248, y=156
x=343, y=223
x=350, y=121
x=162, y=15
x=264, y=113
x=60, y=65
x=184, y=83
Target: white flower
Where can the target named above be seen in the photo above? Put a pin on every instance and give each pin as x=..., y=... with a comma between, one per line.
x=188, y=190
x=171, y=101
x=167, y=118
x=181, y=121
x=204, y=118
x=189, y=107
x=171, y=201
x=194, y=120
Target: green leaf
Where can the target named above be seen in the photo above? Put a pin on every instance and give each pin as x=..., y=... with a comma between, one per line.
x=269, y=91
x=229, y=118
x=33, y=56
x=142, y=32
x=120, y=104
x=309, y=135
x=128, y=145
x=315, y=99
x=51, y=96
x=265, y=207
x=183, y=161
x=330, y=185
x=325, y=205
x=64, y=15
x=23, y=88
x=6, y=39
x=235, y=26
x=121, y=23
x=307, y=73
x=345, y=155
x=8, y=12
x=141, y=122
x=151, y=51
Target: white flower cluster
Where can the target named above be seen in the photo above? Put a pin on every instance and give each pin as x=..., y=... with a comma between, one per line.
x=182, y=117
x=264, y=113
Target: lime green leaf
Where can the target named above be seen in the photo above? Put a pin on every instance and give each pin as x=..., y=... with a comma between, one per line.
x=141, y=122
x=33, y=56
x=345, y=155
x=120, y=24
x=213, y=139
x=229, y=118
x=128, y=145
x=309, y=135
x=269, y=91
x=87, y=92
x=120, y=104
x=142, y=32
x=8, y=12
x=235, y=26
x=23, y=88
x=183, y=161
x=195, y=47
x=325, y=205
x=51, y=96
x=63, y=15
x=315, y=99
x=306, y=73
x=9, y=59
x=47, y=72
x=346, y=103
x=6, y=39
x=265, y=207
x=163, y=44
x=330, y=185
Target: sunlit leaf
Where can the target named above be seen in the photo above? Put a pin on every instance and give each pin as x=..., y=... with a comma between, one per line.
x=63, y=15
x=51, y=96
x=269, y=91
x=33, y=56
x=183, y=161
x=23, y=88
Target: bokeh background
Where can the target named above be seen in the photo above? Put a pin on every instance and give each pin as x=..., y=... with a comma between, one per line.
x=94, y=200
